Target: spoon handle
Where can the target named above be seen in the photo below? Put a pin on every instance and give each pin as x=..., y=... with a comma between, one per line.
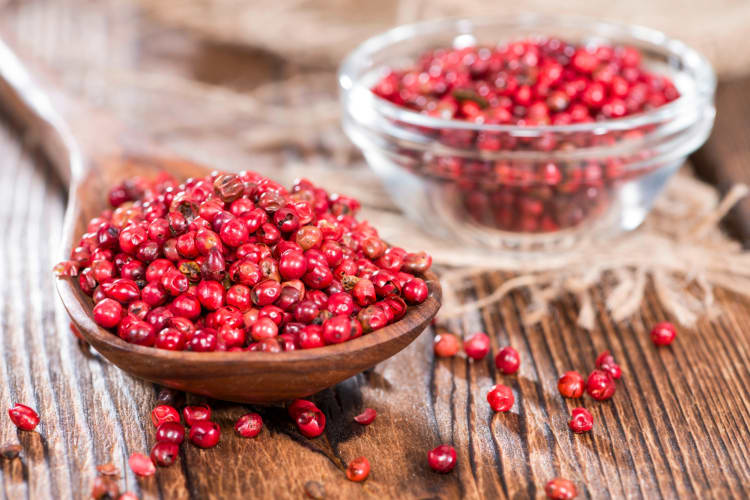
x=70, y=133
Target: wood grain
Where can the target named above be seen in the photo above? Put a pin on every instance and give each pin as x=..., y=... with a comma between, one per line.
x=678, y=426
x=723, y=161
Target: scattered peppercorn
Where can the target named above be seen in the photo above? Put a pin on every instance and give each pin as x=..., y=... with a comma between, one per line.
x=571, y=385
x=446, y=345
x=249, y=425
x=10, y=451
x=560, y=489
x=164, y=453
x=500, y=398
x=442, y=459
x=311, y=422
x=600, y=385
x=164, y=413
x=605, y=361
x=358, y=469
x=108, y=469
x=315, y=490
x=204, y=434
x=196, y=413
x=366, y=417
x=663, y=333
x=170, y=432
x=477, y=346
x=23, y=417
x=507, y=360
x=581, y=420
x=141, y=465
x=105, y=488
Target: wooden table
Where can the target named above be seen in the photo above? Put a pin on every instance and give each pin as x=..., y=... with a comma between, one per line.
x=678, y=426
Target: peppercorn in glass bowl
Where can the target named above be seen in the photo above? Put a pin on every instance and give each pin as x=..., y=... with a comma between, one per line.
x=544, y=162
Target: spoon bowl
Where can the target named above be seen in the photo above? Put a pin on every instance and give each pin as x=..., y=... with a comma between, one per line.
x=92, y=162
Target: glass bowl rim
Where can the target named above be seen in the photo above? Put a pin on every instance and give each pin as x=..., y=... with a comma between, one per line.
x=705, y=80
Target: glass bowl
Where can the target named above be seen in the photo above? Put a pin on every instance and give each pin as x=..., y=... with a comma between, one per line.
x=539, y=188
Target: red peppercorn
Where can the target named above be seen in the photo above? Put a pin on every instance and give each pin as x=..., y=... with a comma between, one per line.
x=311, y=337
x=600, y=385
x=606, y=362
x=446, y=345
x=210, y=294
x=204, y=340
x=107, y=313
x=364, y=292
x=264, y=328
x=265, y=292
x=581, y=420
x=164, y=453
x=366, y=417
x=170, y=339
x=337, y=329
x=249, y=425
x=663, y=333
x=311, y=422
x=23, y=417
x=571, y=385
x=560, y=489
x=292, y=265
x=415, y=291
x=185, y=306
x=299, y=405
x=500, y=398
x=141, y=465
x=170, y=432
x=164, y=413
x=442, y=459
x=194, y=414
x=204, y=434
x=477, y=346
x=507, y=360
x=358, y=469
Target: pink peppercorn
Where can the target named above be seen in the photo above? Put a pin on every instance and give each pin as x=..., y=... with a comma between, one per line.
x=500, y=398
x=442, y=459
x=663, y=334
x=366, y=417
x=477, y=346
x=507, y=360
x=141, y=465
x=571, y=385
x=23, y=417
x=580, y=420
x=446, y=345
x=600, y=385
x=560, y=489
x=249, y=425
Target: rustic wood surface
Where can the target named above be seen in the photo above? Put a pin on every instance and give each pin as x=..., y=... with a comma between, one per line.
x=678, y=426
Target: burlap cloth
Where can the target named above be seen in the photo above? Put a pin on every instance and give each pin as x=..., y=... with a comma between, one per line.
x=323, y=31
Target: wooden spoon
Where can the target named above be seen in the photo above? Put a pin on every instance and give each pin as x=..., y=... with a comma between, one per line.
x=94, y=157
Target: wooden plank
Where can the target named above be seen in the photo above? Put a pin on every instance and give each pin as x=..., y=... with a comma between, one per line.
x=724, y=160
x=679, y=425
